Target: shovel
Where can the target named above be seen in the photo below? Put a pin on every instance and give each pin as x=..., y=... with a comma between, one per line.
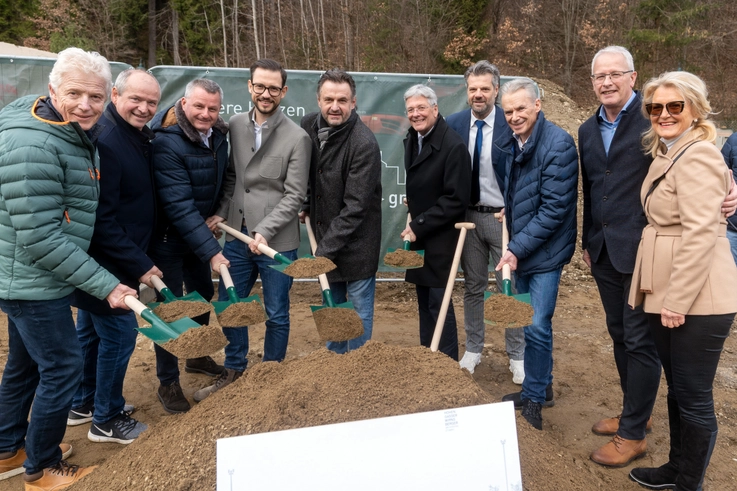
x=464, y=227
x=177, y=337
x=172, y=309
x=335, y=322
x=237, y=312
x=305, y=267
x=405, y=257
x=521, y=301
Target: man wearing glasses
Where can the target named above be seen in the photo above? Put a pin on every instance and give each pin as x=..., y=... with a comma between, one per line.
x=265, y=185
x=613, y=167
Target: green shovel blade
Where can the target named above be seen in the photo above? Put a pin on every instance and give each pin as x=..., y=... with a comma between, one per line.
x=220, y=306
x=160, y=332
x=520, y=297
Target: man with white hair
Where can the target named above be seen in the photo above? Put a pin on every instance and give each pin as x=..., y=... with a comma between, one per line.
x=49, y=188
x=540, y=191
x=438, y=170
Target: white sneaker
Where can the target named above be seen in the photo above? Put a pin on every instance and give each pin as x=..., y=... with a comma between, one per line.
x=517, y=367
x=470, y=360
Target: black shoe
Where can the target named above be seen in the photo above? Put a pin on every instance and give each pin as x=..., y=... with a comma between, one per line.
x=83, y=414
x=172, y=398
x=121, y=429
x=663, y=477
x=204, y=365
x=532, y=412
x=516, y=397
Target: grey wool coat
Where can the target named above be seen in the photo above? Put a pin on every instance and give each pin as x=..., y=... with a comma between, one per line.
x=344, y=198
x=266, y=187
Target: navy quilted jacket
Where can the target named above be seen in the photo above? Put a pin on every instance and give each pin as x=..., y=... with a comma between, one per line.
x=540, y=191
x=189, y=180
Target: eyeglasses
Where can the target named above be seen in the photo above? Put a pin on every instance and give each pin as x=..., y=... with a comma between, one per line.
x=673, y=108
x=261, y=88
x=613, y=76
x=419, y=109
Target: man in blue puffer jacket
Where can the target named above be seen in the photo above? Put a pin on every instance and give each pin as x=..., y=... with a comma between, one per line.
x=540, y=191
x=190, y=158
x=729, y=151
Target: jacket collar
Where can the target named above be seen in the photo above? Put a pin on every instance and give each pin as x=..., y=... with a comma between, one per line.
x=115, y=120
x=175, y=116
x=338, y=133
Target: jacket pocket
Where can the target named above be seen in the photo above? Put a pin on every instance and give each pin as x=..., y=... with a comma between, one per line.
x=270, y=167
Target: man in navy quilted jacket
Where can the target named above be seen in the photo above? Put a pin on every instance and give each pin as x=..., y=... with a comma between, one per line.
x=540, y=191
x=190, y=158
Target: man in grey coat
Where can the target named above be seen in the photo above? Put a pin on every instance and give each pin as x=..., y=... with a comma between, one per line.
x=344, y=201
x=265, y=185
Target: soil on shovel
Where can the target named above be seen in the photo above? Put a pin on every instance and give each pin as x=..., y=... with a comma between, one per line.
x=178, y=309
x=309, y=268
x=507, y=311
x=404, y=259
x=337, y=324
x=242, y=314
x=197, y=342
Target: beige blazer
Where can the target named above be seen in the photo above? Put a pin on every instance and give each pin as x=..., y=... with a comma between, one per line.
x=267, y=187
x=684, y=261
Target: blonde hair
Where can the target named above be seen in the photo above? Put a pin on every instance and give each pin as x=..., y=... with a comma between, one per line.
x=76, y=60
x=694, y=92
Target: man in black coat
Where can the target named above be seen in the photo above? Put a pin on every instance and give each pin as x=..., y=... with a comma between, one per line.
x=613, y=167
x=344, y=197
x=438, y=194
x=487, y=189
x=123, y=227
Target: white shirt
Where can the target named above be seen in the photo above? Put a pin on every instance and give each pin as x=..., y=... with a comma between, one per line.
x=257, y=128
x=206, y=137
x=490, y=194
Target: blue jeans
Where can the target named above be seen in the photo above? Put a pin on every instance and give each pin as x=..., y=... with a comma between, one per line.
x=543, y=290
x=361, y=294
x=245, y=267
x=107, y=343
x=44, y=361
x=732, y=237
x=179, y=265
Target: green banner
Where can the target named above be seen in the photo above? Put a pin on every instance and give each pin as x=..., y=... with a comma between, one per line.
x=379, y=102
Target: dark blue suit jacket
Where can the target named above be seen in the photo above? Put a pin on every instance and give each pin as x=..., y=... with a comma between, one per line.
x=460, y=122
x=612, y=212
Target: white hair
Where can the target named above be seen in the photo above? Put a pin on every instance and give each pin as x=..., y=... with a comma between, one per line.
x=76, y=60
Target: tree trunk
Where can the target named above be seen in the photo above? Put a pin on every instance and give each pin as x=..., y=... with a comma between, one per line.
x=255, y=29
x=225, y=34
x=151, y=33
x=175, y=36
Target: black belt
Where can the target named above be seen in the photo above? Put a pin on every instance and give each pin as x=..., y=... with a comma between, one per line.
x=486, y=209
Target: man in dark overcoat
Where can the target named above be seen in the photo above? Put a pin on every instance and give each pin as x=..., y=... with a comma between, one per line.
x=438, y=170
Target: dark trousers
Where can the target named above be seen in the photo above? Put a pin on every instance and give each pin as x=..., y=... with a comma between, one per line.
x=690, y=354
x=180, y=266
x=428, y=301
x=635, y=354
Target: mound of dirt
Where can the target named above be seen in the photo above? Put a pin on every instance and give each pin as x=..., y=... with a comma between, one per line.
x=323, y=388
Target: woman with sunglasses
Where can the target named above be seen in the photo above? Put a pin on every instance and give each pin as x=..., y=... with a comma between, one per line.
x=683, y=268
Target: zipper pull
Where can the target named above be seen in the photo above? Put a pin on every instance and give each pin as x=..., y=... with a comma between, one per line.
x=66, y=215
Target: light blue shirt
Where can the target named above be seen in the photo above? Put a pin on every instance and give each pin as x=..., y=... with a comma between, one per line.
x=609, y=128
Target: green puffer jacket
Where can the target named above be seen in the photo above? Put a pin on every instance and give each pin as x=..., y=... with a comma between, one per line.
x=48, y=196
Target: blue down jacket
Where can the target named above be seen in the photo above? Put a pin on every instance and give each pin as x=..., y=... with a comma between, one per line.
x=189, y=180
x=540, y=191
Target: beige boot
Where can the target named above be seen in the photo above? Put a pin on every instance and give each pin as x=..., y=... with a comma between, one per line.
x=60, y=476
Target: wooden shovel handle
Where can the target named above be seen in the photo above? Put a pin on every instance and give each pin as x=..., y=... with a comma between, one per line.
x=245, y=238
x=157, y=282
x=407, y=237
x=134, y=304
x=464, y=227
x=324, y=285
x=225, y=276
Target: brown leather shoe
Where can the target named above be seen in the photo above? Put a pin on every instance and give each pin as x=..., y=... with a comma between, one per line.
x=619, y=452
x=13, y=466
x=609, y=426
x=60, y=476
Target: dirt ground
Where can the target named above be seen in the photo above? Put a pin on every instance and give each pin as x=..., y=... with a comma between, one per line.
x=177, y=452
x=556, y=459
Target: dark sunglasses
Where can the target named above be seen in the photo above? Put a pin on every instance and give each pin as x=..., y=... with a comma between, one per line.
x=673, y=108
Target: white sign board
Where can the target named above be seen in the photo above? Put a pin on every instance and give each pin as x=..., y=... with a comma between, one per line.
x=468, y=448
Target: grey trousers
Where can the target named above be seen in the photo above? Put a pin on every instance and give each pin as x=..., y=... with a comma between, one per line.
x=481, y=242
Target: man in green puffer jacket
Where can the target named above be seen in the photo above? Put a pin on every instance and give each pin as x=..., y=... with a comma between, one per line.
x=48, y=196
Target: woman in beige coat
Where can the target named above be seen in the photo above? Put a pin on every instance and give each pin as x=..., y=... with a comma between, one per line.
x=684, y=271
